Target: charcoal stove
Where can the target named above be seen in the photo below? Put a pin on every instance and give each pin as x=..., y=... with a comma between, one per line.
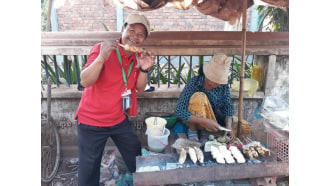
x=164, y=169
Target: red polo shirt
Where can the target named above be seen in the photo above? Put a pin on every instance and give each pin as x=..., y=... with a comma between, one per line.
x=101, y=103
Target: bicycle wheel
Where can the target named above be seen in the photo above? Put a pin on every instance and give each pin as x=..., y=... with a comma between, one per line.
x=50, y=150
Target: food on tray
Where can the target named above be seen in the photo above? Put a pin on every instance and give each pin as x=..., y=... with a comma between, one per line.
x=222, y=139
x=253, y=149
x=250, y=152
x=237, y=154
x=211, y=137
x=209, y=144
x=132, y=48
x=263, y=151
x=199, y=154
x=226, y=153
x=184, y=143
x=183, y=156
x=192, y=154
x=217, y=155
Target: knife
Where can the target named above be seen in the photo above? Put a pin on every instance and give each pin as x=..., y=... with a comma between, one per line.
x=224, y=129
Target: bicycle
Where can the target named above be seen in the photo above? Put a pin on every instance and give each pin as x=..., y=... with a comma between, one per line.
x=50, y=142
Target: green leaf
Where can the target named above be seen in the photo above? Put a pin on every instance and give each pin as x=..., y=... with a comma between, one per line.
x=105, y=27
x=177, y=75
x=237, y=67
x=50, y=71
x=188, y=75
x=162, y=78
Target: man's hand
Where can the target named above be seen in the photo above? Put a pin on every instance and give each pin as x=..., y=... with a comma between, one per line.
x=147, y=60
x=106, y=48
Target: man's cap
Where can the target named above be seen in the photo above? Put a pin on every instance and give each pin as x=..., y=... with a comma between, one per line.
x=217, y=69
x=137, y=18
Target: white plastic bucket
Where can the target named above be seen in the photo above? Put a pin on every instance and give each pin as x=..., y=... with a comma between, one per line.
x=156, y=141
x=155, y=121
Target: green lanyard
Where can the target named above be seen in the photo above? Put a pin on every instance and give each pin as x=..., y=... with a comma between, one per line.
x=122, y=69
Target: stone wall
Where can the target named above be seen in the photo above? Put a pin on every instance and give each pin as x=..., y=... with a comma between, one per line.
x=281, y=87
x=63, y=109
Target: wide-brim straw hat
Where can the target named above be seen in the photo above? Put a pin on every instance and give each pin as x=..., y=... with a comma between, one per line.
x=217, y=69
x=138, y=18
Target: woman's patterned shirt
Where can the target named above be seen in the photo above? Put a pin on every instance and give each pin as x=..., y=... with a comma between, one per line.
x=219, y=98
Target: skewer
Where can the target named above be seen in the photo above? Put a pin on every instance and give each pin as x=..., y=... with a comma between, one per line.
x=249, y=139
x=132, y=48
x=240, y=142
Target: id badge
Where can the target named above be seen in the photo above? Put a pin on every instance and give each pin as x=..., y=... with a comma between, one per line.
x=126, y=99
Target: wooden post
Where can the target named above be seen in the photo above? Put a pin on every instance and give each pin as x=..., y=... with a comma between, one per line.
x=49, y=12
x=240, y=98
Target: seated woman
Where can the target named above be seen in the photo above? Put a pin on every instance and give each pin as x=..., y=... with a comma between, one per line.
x=205, y=101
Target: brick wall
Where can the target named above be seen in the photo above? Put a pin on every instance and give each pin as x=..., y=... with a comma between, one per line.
x=170, y=19
x=88, y=15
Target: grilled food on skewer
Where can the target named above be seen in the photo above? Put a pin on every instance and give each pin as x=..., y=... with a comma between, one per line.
x=217, y=155
x=226, y=153
x=192, y=154
x=237, y=154
x=199, y=154
x=253, y=151
x=183, y=155
x=132, y=48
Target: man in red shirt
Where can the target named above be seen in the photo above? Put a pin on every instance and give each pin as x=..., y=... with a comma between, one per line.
x=111, y=78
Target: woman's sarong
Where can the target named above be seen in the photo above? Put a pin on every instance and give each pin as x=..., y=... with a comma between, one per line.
x=199, y=105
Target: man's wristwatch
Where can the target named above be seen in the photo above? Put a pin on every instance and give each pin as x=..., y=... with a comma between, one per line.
x=144, y=71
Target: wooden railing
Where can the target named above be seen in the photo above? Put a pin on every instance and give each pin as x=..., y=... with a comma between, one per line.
x=172, y=43
x=165, y=44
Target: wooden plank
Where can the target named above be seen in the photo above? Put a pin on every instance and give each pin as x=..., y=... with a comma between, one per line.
x=173, y=35
x=172, y=42
x=65, y=50
x=79, y=35
x=166, y=43
x=176, y=51
x=173, y=51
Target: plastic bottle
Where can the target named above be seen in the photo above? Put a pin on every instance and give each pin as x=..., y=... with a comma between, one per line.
x=257, y=74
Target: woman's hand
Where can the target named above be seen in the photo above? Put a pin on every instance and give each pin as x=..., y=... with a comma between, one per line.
x=229, y=126
x=231, y=135
x=211, y=125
